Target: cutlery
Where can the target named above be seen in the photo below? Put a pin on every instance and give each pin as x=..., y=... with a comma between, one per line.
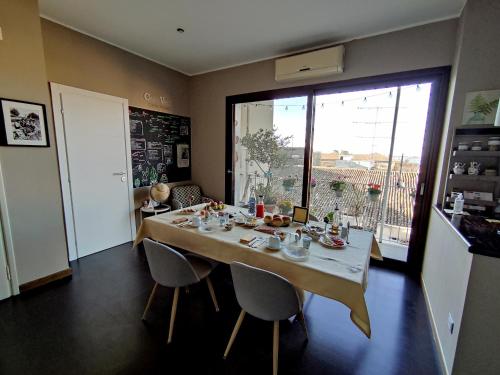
x=350, y=266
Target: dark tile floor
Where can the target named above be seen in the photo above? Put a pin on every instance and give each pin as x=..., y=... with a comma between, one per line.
x=91, y=325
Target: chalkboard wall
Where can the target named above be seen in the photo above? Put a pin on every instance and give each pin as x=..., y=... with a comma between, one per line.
x=161, y=147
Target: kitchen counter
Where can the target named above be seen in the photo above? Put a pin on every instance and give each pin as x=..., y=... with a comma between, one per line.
x=481, y=236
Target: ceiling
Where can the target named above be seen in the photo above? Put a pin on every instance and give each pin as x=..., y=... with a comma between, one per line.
x=223, y=33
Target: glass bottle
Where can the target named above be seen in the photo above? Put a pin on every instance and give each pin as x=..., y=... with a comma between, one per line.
x=260, y=207
x=252, y=201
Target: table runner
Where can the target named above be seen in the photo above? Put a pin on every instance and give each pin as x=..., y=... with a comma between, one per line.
x=343, y=279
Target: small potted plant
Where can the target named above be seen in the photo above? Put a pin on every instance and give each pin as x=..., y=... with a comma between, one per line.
x=374, y=191
x=338, y=187
x=289, y=183
x=285, y=207
x=313, y=182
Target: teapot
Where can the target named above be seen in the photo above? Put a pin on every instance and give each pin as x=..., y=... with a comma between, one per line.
x=459, y=168
x=474, y=168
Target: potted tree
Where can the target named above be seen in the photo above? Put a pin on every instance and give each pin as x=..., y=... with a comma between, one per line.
x=374, y=191
x=267, y=150
x=338, y=187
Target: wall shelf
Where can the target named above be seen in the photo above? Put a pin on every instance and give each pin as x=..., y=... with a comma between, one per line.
x=484, y=154
x=477, y=130
x=466, y=177
x=476, y=202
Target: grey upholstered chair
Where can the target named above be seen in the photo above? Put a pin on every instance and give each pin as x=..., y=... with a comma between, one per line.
x=172, y=269
x=267, y=296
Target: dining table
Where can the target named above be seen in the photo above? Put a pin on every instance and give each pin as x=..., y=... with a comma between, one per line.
x=339, y=274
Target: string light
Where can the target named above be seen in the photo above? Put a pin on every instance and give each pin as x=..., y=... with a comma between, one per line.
x=390, y=94
x=303, y=107
x=418, y=87
x=342, y=102
x=322, y=105
x=286, y=108
x=365, y=100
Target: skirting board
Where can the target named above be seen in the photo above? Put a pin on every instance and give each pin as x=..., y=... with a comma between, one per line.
x=45, y=280
x=434, y=329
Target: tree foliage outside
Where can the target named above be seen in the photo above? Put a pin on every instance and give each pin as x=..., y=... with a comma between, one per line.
x=266, y=149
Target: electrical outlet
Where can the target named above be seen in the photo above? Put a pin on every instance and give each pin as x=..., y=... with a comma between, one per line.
x=451, y=324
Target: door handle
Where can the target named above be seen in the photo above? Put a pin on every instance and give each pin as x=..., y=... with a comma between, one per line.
x=229, y=171
x=119, y=173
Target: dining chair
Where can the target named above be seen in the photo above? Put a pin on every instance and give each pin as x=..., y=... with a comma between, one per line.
x=172, y=269
x=266, y=296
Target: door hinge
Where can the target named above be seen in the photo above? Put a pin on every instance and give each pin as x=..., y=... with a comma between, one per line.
x=422, y=188
x=7, y=270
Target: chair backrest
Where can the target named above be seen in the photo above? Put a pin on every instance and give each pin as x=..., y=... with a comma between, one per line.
x=169, y=267
x=181, y=195
x=264, y=294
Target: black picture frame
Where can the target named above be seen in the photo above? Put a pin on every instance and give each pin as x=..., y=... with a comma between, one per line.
x=300, y=215
x=7, y=137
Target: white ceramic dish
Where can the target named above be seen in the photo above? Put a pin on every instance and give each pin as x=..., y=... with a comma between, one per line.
x=274, y=248
x=295, y=254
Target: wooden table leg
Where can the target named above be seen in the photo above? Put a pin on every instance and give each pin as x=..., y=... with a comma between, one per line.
x=235, y=332
x=172, y=315
x=302, y=321
x=150, y=299
x=212, y=294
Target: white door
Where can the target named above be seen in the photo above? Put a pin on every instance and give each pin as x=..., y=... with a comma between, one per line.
x=97, y=157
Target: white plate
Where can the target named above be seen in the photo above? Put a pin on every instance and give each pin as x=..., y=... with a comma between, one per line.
x=330, y=245
x=207, y=229
x=296, y=254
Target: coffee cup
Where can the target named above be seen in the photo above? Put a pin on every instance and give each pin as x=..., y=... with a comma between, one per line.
x=196, y=221
x=274, y=242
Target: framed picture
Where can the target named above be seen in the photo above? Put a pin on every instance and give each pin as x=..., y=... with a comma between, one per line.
x=300, y=214
x=23, y=124
x=480, y=107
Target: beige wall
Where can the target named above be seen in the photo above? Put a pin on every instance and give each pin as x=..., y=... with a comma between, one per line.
x=75, y=59
x=30, y=174
x=420, y=47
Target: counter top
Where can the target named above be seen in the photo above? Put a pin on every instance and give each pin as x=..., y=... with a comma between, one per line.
x=481, y=236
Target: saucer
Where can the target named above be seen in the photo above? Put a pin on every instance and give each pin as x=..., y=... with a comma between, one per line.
x=274, y=248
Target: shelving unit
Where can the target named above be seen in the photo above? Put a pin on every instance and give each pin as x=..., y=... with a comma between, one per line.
x=483, y=154
x=487, y=159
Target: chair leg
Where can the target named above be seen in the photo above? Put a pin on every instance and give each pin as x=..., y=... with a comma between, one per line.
x=276, y=342
x=150, y=299
x=302, y=321
x=235, y=332
x=212, y=294
x=172, y=315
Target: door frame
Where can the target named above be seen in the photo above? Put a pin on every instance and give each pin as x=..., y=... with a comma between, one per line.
x=57, y=90
x=439, y=76
x=7, y=253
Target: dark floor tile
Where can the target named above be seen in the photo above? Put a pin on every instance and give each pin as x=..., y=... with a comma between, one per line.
x=91, y=325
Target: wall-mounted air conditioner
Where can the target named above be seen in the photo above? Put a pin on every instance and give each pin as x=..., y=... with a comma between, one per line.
x=311, y=64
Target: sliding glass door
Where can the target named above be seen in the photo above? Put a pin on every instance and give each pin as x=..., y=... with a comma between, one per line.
x=367, y=150
x=269, y=144
x=367, y=146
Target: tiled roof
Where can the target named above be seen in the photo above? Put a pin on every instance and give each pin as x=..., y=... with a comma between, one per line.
x=323, y=199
